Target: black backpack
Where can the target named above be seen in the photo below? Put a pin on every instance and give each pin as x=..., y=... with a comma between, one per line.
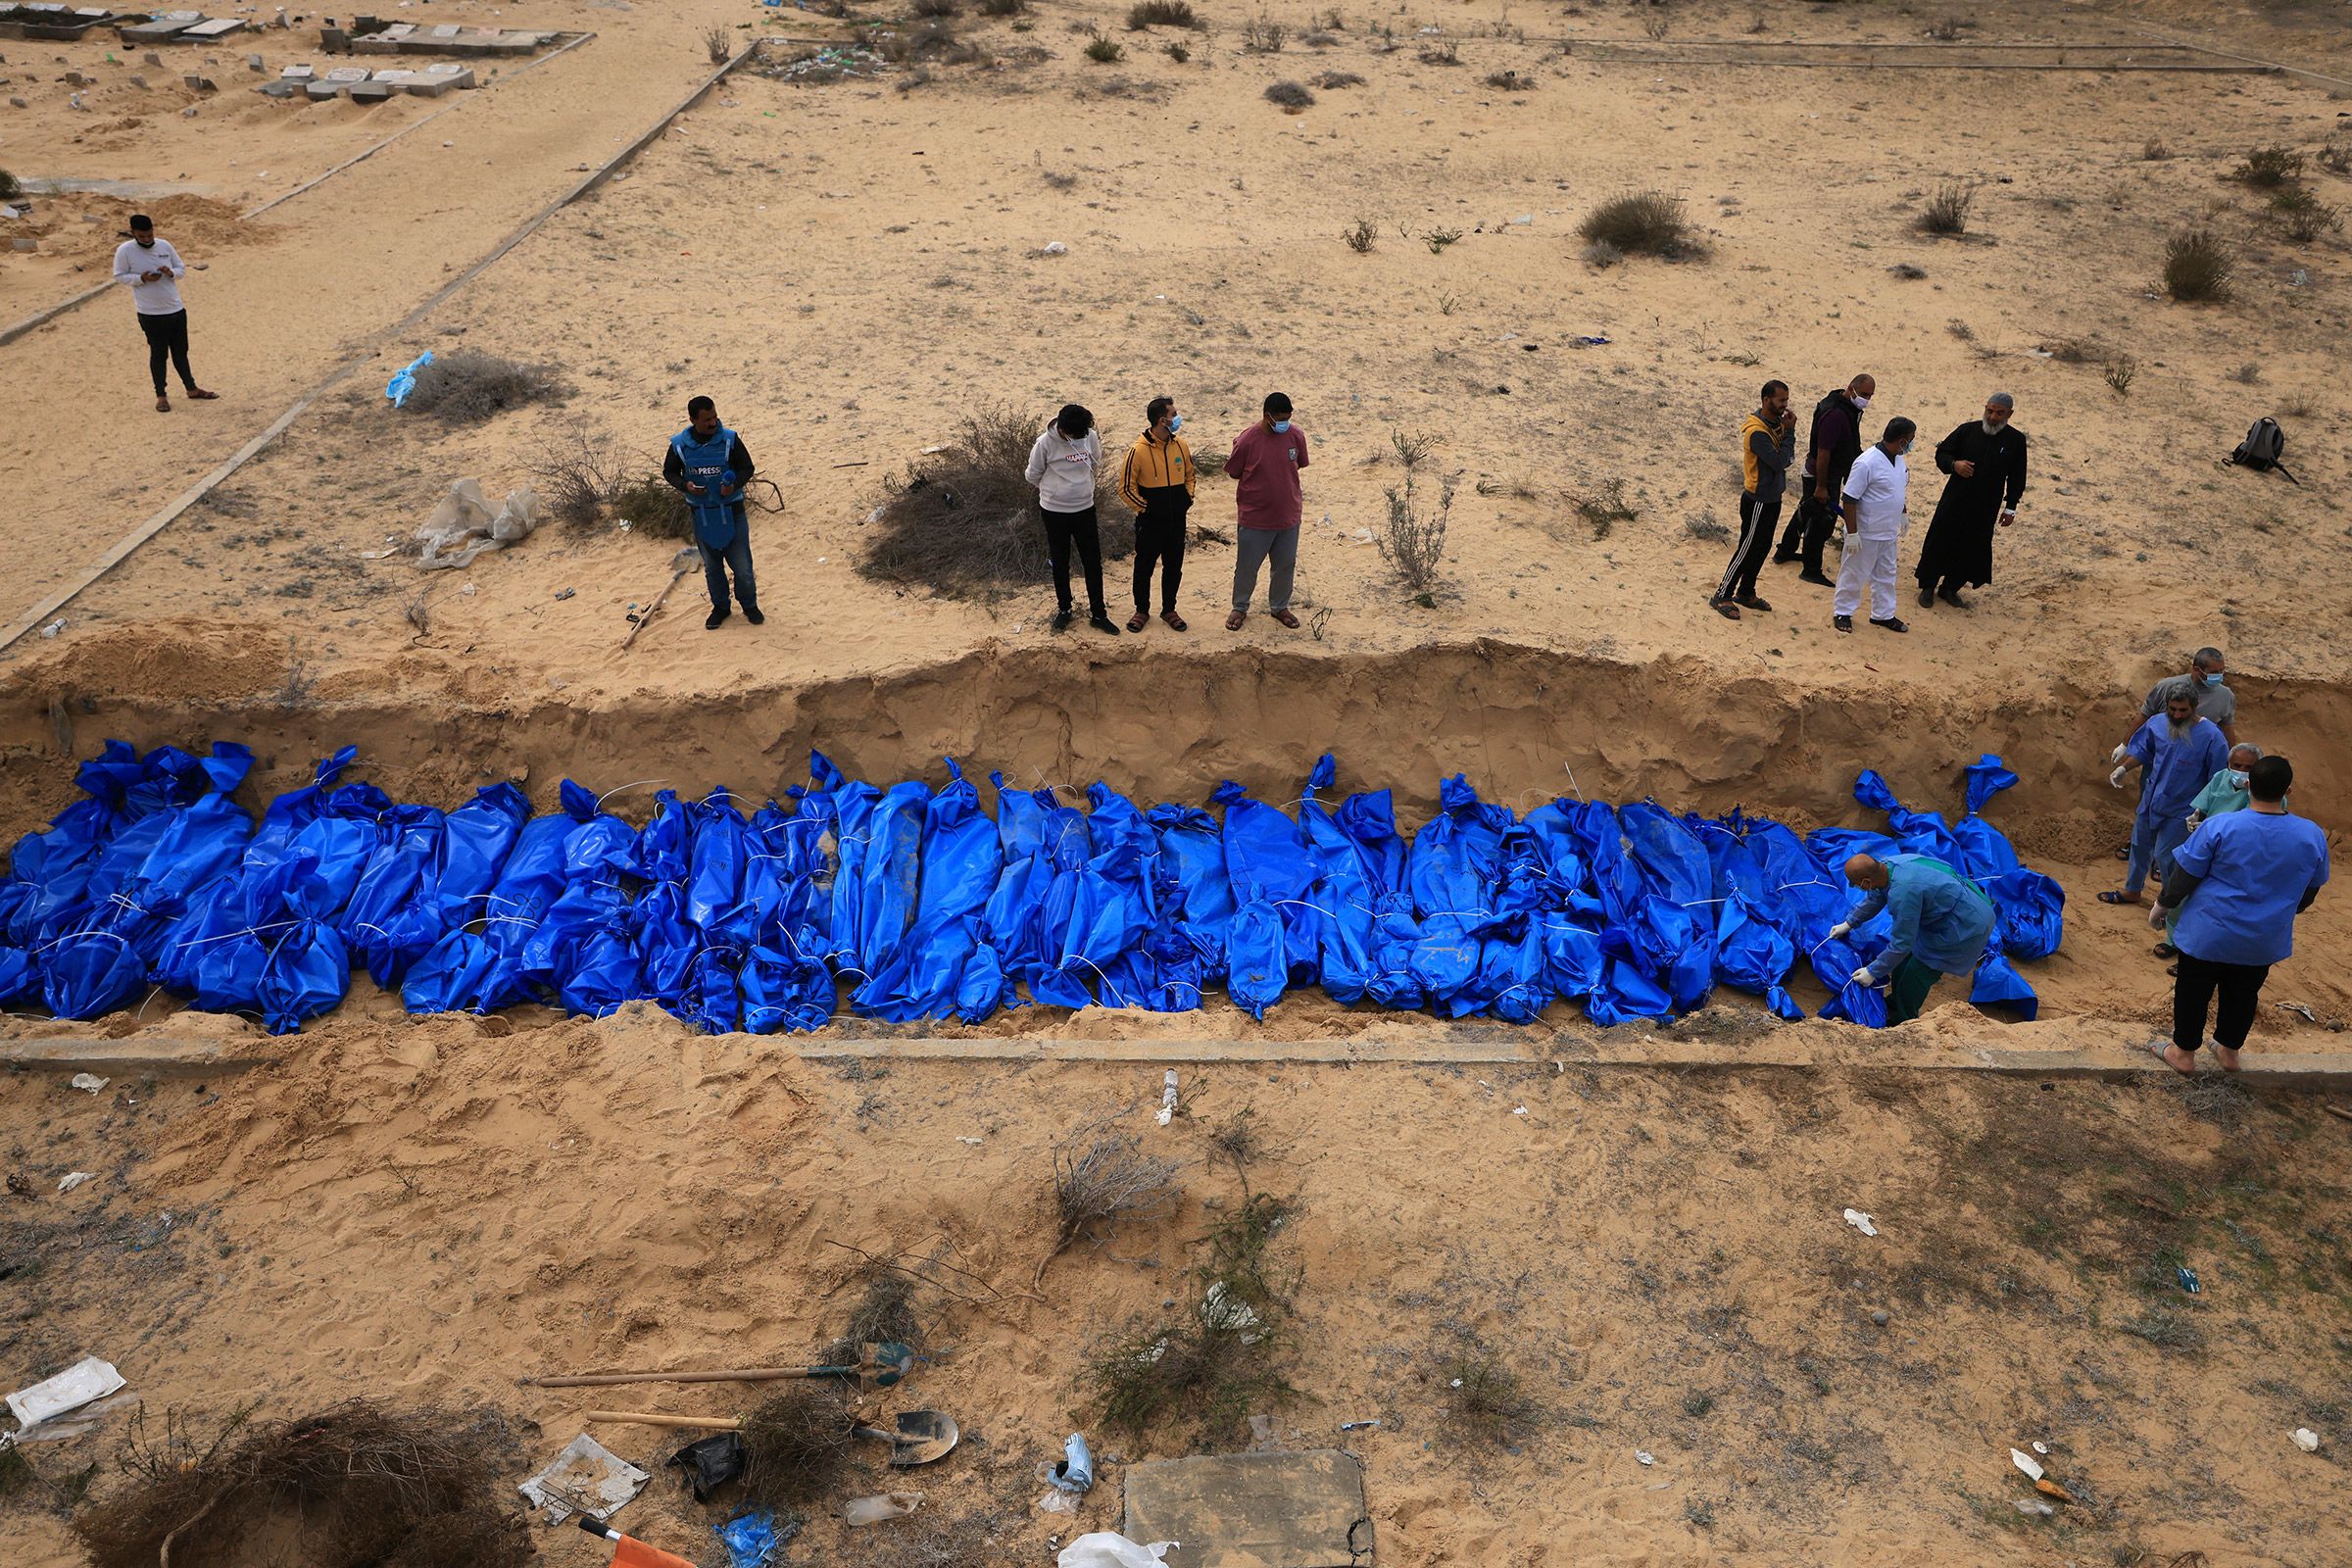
x=2261, y=449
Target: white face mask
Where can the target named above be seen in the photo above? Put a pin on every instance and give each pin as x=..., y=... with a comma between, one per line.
x=1861, y=403
x=2237, y=778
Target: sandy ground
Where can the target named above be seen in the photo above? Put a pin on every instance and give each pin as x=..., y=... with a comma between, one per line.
x=1661, y=1261
x=849, y=268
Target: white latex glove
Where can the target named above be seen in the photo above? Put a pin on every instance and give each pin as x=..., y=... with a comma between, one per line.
x=1863, y=976
x=2120, y=752
x=2116, y=778
x=1836, y=931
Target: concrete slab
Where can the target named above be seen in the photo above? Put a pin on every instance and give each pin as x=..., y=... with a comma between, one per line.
x=1254, y=1510
x=163, y=29
x=430, y=86
x=321, y=90
x=372, y=93
x=217, y=27
x=108, y=1058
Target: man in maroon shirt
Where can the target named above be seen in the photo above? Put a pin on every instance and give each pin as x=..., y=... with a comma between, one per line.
x=1264, y=469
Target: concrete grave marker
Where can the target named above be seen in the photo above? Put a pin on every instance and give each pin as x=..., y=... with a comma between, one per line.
x=1254, y=1510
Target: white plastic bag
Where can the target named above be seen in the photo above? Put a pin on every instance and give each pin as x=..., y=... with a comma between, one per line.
x=517, y=517
x=1106, y=1549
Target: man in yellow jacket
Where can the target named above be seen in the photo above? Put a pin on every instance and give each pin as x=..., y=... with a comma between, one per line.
x=1156, y=482
x=1767, y=445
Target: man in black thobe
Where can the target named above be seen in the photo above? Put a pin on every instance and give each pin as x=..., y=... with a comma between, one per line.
x=1986, y=460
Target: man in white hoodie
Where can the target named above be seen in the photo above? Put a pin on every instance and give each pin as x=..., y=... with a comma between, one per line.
x=148, y=266
x=1062, y=465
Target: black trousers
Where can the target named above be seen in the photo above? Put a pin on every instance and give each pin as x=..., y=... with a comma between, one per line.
x=168, y=335
x=1159, y=542
x=1062, y=530
x=2240, y=985
x=1756, y=520
x=1808, y=532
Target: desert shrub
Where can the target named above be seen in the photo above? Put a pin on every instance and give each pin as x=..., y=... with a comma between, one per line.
x=586, y=481
x=718, y=45
x=2247, y=374
x=1361, y=235
x=797, y=1443
x=935, y=8
x=1213, y=1360
x=1413, y=447
x=1436, y=239
x=1176, y=51
x=467, y=386
x=2268, y=167
x=1331, y=79
x=1412, y=538
x=360, y=1484
x=1947, y=209
x=1263, y=36
x=1290, y=96
x=1600, y=255
x=1111, y=1177
x=930, y=42
x=1656, y=26
x=1947, y=29
x=2120, y=373
x=1441, y=52
x=1104, y=52
x=1483, y=1395
x=2335, y=156
x=10, y=188
x=1604, y=509
x=2154, y=151
x=1161, y=14
x=964, y=520
x=1002, y=8
x=1511, y=82
x=2199, y=265
x=2302, y=215
x=1641, y=223
x=1711, y=531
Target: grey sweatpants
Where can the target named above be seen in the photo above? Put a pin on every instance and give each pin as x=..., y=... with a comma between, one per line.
x=1252, y=546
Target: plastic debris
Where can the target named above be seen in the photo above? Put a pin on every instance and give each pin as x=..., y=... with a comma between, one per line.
x=1644, y=1457
x=2051, y=1489
x=753, y=1539
x=54, y=627
x=2307, y=1440
x=68, y=1183
x=586, y=1477
x=2025, y=1463
x=1167, y=1098
x=1076, y=1470
x=1055, y=247
x=1107, y=1549
x=1861, y=1222
x=2189, y=1279
x=90, y=1082
x=404, y=379
x=883, y=1505
x=2042, y=1448
x=1359, y=1425
x=2034, y=1509
x=85, y=1380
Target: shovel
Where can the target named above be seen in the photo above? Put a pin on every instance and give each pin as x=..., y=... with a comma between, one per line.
x=923, y=1436
x=680, y=565
x=889, y=1362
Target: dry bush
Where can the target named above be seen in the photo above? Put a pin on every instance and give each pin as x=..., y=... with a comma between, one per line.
x=586, y=482
x=1947, y=29
x=1290, y=96
x=370, y=1487
x=1263, y=36
x=1113, y=1176
x=2269, y=168
x=1413, y=541
x=1441, y=52
x=1104, y=52
x=10, y=188
x=2247, y=374
x=2199, y=265
x=2154, y=151
x=1656, y=26
x=2302, y=215
x=1511, y=82
x=1711, y=531
x=935, y=8
x=1483, y=1395
x=1413, y=448
x=933, y=42
x=1361, y=235
x=1162, y=14
x=1002, y=8
x=1604, y=509
x=796, y=1444
x=1331, y=79
x=1176, y=51
x=2335, y=156
x=1600, y=255
x=1641, y=223
x=2120, y=373
x=1213, y=1361
x=467, y=386
x=963, y=522
x=884, y=1313
x=1436, y=239
x=1947, y=209
x=718, y=45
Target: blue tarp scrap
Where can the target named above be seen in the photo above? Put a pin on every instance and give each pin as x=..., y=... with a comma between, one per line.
x=927, y=903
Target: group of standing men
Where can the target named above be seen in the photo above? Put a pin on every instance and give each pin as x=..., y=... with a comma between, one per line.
x=1866, y=490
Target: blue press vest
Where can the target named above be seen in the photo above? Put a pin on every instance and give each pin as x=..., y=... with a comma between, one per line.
x=706, y=464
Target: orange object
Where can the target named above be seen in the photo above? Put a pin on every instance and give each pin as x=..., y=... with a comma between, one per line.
x=2051, y=1489
x=635, y=1554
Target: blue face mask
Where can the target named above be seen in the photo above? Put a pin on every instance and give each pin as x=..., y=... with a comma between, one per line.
x=2199, y=679
x=1175, y=422
x=1281, y=427
x=2237, y=778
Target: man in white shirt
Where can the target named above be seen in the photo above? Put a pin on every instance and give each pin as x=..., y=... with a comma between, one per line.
x=1875, y=492
x=152, y=269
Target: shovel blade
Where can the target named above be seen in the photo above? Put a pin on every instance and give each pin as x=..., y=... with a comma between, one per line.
x=923, y=1436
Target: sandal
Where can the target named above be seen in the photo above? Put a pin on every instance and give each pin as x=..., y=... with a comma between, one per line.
x=163, y=404
x=2110, y=896
x=1286, y=617
x=1237, y=621
x=1174, y=620
x=1138, y=621
x=202, y=396
x=2158, y=1048
x=2165, y=950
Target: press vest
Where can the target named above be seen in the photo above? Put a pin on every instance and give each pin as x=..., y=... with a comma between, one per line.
x=715, y=518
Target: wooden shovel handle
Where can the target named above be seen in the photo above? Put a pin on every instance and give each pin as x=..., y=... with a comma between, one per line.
x=710, y=1423
x=749, y=1374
